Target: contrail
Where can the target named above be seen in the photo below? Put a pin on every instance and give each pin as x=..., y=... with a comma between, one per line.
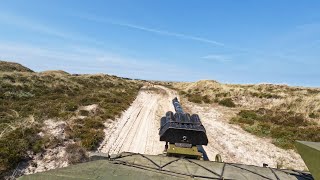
x=152, y=30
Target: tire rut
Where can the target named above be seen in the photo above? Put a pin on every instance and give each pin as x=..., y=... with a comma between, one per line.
x=137, y=129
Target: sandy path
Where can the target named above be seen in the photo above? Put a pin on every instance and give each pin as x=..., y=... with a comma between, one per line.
x=238, y=146
x=137, y=129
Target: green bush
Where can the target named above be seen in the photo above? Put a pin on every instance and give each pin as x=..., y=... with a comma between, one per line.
x=313, y=115
x=223, y=94
x=14, y=146
x=84, y=113
x=227, y=102
x=283, y=143
x=265, y=95
x=248, y=114
x=244, y=120
x=76, y=154
x=88, y=131
x=283, y=127
x=182, y=93
x=71, y=106
x=195, y=98
x=206, y=99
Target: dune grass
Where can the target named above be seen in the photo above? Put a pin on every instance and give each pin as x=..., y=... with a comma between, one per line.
x=27, y=99
x=12, y=67
x=280, y=112
x=283, y=127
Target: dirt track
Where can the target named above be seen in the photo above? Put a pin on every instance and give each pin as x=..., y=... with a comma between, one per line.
x=137, y=131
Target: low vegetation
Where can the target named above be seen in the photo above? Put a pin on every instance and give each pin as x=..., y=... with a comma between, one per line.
x=27, y=99
x=280, y=112
x=280, y=97
x=283, y=127
x=76, y=153
x=196, y=97
x=228, y=102
x=12, y=67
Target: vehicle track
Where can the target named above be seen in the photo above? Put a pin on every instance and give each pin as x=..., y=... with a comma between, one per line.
x=137, y=129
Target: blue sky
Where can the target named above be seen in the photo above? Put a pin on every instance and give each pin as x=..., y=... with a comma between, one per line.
x=230, y=41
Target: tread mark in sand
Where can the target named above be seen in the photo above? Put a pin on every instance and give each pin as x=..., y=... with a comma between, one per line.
x=106, y=142
x=141, y=122
x=115, y=149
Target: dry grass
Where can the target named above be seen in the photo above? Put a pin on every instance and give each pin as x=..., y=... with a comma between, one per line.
x=28, y=98
x=301, y=100
x=283, y=127
x=76, y=154
x=285, y=108
x=12, y=67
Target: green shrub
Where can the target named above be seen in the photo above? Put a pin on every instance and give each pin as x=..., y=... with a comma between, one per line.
x=283, y=143
x=14, y=146
x=90, y=139
x=206, y=99
x=223, y=94
x=265, y=95
x=84, y=113
x=71, y=106
x=94, y=123
x=195, y=98
x=76, y=154
x=313, y=115
x=245, y=121
x=88, y=131
x=248, y=114
x=283, y=127
x=227, y=102
x=259, y=129
x=182, y=93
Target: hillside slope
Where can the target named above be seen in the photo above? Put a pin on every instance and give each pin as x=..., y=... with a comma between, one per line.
x=280, y=112
x=12, y=67
x=54, y=112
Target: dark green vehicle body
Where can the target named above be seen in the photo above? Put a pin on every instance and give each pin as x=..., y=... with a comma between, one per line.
x=139, y=166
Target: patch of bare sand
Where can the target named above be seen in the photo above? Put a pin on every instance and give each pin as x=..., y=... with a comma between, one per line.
x=238, y=146
x=52, y=158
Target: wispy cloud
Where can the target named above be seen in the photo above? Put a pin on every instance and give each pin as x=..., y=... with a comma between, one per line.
x=77, y=58
x=217, y=57
x=31, y=25
x=80, y=59
x=151, y=30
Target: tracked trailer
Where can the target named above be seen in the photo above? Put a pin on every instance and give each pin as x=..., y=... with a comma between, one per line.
x=182, y=132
